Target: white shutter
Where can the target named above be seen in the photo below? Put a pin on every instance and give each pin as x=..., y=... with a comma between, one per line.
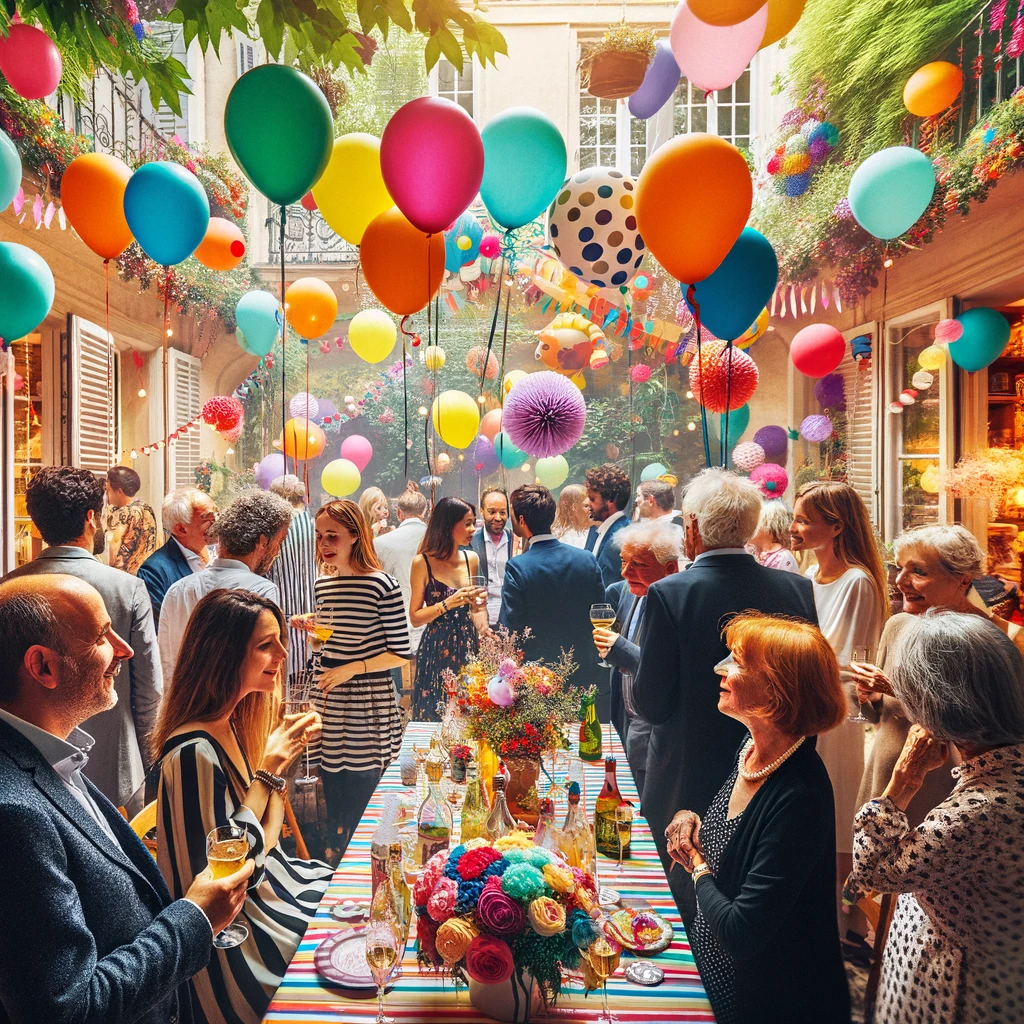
x=185, y=405
x=171, y=39
x=245, y=57
x=93, y=396
x=861, y=433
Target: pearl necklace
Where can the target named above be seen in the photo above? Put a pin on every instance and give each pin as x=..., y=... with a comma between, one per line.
x=765, y=772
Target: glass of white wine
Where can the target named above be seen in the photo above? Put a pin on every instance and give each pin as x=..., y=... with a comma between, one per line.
x=602, y=615
x=862, y=655
x=226, y=849
x=382, y=959
x=603, y=955
x=623, y=827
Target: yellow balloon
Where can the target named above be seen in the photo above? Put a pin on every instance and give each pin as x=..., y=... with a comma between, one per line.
x=724, y=12
x=930, y=480
x=552, y=472
x=754, y=331
x=456, y=418
x=932, y=358
x=782, y=18
x=372, y=335
x=340, y=478
x=351, y=192
x=434, y=358
x=512, y=378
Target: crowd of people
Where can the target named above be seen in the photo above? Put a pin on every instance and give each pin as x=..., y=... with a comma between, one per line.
x=261, y=631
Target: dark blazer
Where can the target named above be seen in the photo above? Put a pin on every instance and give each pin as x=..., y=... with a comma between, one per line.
x=165, y=566
x=609, y=558
x=676, y=690
x=88, y=933
x=550, y=588
x=772, y=904
x=479, y=545
x=624, y=654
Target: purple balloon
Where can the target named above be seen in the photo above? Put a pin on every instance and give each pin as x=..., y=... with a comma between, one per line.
x=659, y=83
x=774, y=441
x=485, y=458
x=326, y=409
x=830, y=392
x=272, y=466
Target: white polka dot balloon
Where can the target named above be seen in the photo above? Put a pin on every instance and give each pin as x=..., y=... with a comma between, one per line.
x=593, y=227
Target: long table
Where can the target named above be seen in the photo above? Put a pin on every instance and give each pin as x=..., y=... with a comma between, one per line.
x=421, y=996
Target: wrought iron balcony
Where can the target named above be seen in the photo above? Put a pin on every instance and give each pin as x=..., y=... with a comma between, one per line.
x=307, y=239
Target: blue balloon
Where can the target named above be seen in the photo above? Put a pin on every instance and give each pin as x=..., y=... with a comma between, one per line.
x=259, y=319
x=524, y=165
x=652, y=471
x=509, y=455
x=454, y=257
x=10, y=171
x=26, y=290
x=986, y=334
x=890, y=190
x=659, y=83
x=739, y=420
x=167, y=210
x=731, y=298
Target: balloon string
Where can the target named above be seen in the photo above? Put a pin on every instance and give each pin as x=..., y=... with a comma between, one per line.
x=405, y=392
x=632, y=430
x=501, y=379
x=284, y=329
x=106, y=325
x=305, y=464
x=728, y=407
x=167, y=393
x=494, y=324
x=691, y=298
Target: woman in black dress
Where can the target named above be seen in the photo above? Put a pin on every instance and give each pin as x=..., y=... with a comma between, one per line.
x=763, y=858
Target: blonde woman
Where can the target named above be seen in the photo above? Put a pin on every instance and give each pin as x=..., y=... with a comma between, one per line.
x=373, y=503
x=572, y=517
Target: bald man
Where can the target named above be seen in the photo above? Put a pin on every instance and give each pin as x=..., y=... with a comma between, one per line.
x=88, y=931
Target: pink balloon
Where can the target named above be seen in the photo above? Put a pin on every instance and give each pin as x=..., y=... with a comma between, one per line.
x=30, y=62
x=500, y=692
x=714, y=56
x=817, y=350
x=490, y=424
x=357, y=450
x=432, y=160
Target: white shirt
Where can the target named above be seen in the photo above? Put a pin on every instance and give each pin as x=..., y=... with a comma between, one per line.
x=575, y=538
x=708, y=554
x=497, y=559
x=604, y=528
x=396, y=551
x=195, y=563
x=183, y=595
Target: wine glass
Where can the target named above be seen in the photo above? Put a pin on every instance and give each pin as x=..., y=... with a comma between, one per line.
x=860, y=654
x=623, y=827
x=226, y=849
x=297, y=701
x=603, y=955
x=480, y=598
x=602, y=615
x=382, y=959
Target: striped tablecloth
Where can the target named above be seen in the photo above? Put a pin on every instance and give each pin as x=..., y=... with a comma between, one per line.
x=424, y=996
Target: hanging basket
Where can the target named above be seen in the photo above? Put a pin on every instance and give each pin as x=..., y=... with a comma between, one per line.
x=616, y=74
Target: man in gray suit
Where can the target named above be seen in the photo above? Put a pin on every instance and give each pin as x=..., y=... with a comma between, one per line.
x=66, y=506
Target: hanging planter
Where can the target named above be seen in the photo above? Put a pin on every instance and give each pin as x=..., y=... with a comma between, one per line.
x=615, y=68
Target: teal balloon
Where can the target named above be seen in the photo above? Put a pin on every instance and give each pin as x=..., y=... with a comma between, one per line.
x=653, y=471
x=466, y=226
x=259, y=319
x=26, y=290
x=279, y=130
x=524, y=165
x=890, y=190
x=10, y=171
x=167, y=211
x=739, y=420
x=509, y=455
x=986, y=334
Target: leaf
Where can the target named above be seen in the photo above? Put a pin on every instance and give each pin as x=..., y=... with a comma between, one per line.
x=450, y=48
x=433, y=52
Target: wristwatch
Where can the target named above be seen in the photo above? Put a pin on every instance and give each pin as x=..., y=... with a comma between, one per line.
x=278, y=783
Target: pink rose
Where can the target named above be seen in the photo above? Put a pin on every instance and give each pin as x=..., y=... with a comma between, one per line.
x=498, y=912
x=489, y=960
x=428, y=879
x=441, y=904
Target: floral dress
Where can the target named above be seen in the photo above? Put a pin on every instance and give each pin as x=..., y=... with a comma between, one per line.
x=450, y=641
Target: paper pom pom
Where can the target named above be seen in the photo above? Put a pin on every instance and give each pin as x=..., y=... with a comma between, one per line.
x=232, y=435
x=544, y=414
x=475, y=361
x=895, y=407
x=524, y=882
x=796, y=144
x=747, y=455
x=842, y=210
x=948, y=330
x=797, y=184
x=774, y=441
x=922, y=380
x=304, y=407
x=223, y=412
x=830, y=392
x=772, y=479
x=710, y=376
x=816, y=428
x=640, y=373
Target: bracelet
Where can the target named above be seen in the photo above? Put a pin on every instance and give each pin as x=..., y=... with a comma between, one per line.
x=444, y=605
x=277, y=783
x=701, y=870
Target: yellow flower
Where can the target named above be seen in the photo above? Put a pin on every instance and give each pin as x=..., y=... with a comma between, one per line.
x=546, y=916
x=559, y=878
x=516, y=840
x=453, y=939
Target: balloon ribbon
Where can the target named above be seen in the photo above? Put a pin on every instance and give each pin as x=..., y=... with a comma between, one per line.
x=728, y=407
x=284, y=330
x=691, y=298
x=405, y=390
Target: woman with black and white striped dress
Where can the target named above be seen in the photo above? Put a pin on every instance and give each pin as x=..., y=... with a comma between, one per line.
x=362, y=726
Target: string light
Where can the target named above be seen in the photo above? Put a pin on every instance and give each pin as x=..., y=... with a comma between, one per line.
x=482, y=399
x=689, y=394
x=142, y=392
x=422, y=410
x=133, y=454
x=691, y=426
x=887, y=263
x=675, y=433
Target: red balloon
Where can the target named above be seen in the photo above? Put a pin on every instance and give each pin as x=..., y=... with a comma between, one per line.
x=308, y=202
x=817, y=350
x=432, y=160
x=30, y=61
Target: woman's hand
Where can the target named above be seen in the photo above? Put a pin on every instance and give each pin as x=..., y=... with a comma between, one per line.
x=921, y=753
x=342, y=674
x=463, y=596
x=683, y=835
x=604, y=640
x=872, y=682
x=288, y=739
x=306, y=621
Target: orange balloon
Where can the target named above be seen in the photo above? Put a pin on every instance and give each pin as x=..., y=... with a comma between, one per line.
x=932, y=88
x=303, y=440
x=724, y=12
x=692, y=201
x=490, y=424
x=403, y=266
x=782, y=18
x=92, y=194
x=310, y=306
x=223, y=245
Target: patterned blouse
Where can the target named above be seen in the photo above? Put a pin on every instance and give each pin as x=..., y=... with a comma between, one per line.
x=132, y=530
x=956, y=946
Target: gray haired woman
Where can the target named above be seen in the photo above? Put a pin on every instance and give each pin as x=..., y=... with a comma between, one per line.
x=956, y=943
x=771, y=542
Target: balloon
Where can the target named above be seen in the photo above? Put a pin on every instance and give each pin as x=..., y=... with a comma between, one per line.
x=303, y=439
x=10, y=171
x=932, y=88
x=466, y=228
x=26, y=290
x=308, y=202
x=490, y=246
x=280, y=131
x=932, y=358
x=500, y=693
x=739, y=420
x=490, y=424
x=929, y=482
x=509, y=455
x=986, y=334
x=272, y=466
x=484, y=458
x=652, y=471
x=310, y=306
x=512, y=378
x=372, y=335
x=524, y=163
x=223, y=245
x=351, y=192
x=782, y=18
x=340, y=478
x=92, y=194
x=692, y=201
x=433, y=358
x=432, y=160
x=396, y=258
x=712, y=56
x=167, y=211
x=817, y=350
x=659, y=83
x=30, y=61
x=593, y=226
x=552, y=471
x=258, y=316
x=724, y=12
x=890, y=190
x=754, y=331
x=357, y=450
x=456, y=418
x=731, y=298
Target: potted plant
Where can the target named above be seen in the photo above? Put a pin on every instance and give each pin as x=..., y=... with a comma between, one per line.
x=615, y=68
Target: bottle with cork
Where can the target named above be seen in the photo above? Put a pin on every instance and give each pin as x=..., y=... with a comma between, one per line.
x=500, y=821
x=606, y=833
x=434, y=820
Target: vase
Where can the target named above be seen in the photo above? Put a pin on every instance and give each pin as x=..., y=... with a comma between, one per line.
x=521, y=791
x=616, y=74
x=512, y=1000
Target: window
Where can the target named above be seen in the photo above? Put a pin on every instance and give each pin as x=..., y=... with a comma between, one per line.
x=456, y=86
x=725, y=113
x=861, y=436
x=184, y=405
x=171, y=39
x=691, y=109
x=93, y=398
x=245, y=57
x=609, y=135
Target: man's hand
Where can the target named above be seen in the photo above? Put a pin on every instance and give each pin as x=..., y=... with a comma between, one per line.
x=604, y=640
x=220, y=899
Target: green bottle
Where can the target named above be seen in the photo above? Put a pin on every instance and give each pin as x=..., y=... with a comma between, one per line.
x=590, y=730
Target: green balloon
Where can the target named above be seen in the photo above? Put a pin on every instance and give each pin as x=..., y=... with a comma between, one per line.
x=739, y=420
x=26, y=290
x=279, y=130
x=508, y=454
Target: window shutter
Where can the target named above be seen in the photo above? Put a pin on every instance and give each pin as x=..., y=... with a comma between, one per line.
x=245, y=57
x=861, y=463
x=171, y=39
x=185, y=406
x=93, y=397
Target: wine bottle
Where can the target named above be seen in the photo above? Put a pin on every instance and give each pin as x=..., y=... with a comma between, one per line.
x=590, y=730
x=606, y=833
x=500, y=821
x=434, y=820
x=475, y=808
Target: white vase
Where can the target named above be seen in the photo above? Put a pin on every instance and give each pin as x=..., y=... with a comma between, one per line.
x=509, y=1001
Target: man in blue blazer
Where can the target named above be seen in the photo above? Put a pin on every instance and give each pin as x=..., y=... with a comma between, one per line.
x=88, y=931
x=493, y=545
x=608, y=494
x=550, y=588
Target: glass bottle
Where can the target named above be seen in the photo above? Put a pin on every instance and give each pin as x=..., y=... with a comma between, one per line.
x=475, y=808
x=606, y=834
x=547, y=835
x=487, y=763
x=392, y=902
x=500, y=821
x=577, y=839
x=434, y=820
x=590, y=730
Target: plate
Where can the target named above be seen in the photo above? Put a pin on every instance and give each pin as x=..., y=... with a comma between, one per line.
x=622, y=921
x=341, y=960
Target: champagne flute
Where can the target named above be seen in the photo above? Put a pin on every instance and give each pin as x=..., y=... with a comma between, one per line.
x=382, y=959
x=860, y=654
x=603, y=955
x=602, y=615
x=226, y=849
x=623, y=827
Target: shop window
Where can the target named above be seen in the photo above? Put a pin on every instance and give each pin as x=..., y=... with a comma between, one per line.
x=456, y=86
x=184, y=405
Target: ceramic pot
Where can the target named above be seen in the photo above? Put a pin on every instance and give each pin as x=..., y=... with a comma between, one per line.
x=510, y=1001
x=616, y=74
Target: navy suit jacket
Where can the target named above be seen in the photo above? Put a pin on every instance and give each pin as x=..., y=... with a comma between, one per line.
x=624, y=654
x=609, y=557
x=88, y=933
x=478, y=544
x=165, y=566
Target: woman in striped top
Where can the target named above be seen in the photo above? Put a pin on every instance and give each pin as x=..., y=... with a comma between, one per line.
x=362, y=731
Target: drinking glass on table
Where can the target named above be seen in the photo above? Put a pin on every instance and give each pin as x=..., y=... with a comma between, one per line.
x=382, y=959
x=226, y=849
x=861, y=655
x=623, y=827
x=602, y=615
x=603, y=955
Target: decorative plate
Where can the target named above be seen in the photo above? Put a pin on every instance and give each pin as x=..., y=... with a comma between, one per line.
x=341, y=960
x=642, y=931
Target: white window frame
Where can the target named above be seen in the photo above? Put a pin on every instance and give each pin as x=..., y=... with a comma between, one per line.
x=434, y=83
x=869, y=379
x=185, y=454
x=93, y=397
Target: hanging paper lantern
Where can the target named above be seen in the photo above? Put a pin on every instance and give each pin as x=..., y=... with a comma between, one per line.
x=830, y=392
x=544, y=414
x=775, y=442
x=552, y=472
x=908, y=397
x=303, y=440
x=929, y=482
x=640, y=373
x=948, y=330
x=895, y=407
x=723, y=377
x=223, y=412
x=771, y=478
x=443, y=462
x=305, y=407
x=340, y=478
x=512, y=378
x=485, y=458
x=456, y=418
x=267, y=471
x=932, y=358
x=475, y=362
x=816, y=428
x=433, y=358
x=747, y=455
x=509, y=455
x=922, y=380
x=860, y=348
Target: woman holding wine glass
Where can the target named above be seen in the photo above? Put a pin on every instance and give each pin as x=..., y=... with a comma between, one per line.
x=223, y=752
